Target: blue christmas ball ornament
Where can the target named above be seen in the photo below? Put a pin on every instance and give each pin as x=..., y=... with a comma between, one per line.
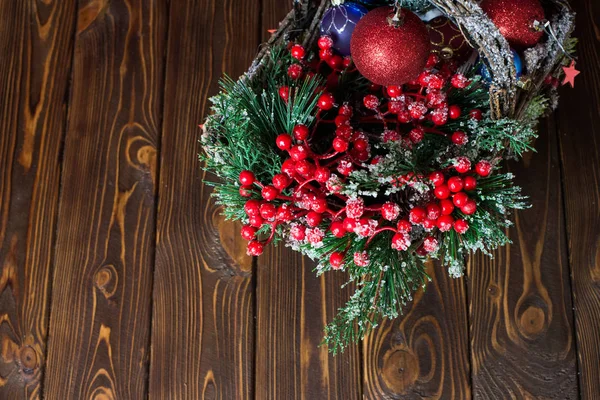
x=339, y=23
x=485, y=73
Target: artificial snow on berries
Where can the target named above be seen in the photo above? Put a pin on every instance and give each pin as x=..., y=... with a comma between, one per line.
x=462, y=165
x=255, y=249
x=390, y=211
x=361, y=259
x=401, y=241
x=315, y=236
x=366, y=227
x=336, y=259
x=430, y=244
x=355, y=207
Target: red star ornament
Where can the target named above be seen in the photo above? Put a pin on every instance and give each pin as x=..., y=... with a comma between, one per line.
x=570, y=74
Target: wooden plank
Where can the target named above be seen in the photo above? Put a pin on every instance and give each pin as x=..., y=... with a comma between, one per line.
x=579, y=130
x=425, y=352
x=100, y=315
x=36, y=46
x=520, y=302
x=293, y=307
x=203, y=321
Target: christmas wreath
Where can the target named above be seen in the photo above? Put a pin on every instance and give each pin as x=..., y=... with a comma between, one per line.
x=370, y=136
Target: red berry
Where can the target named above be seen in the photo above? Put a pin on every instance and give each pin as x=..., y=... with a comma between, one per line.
x=340, y=145
x=461, y=226
x=319, y=205
x=336, y=259
x=295, y=71
x=447, y=206
x=435, y=82
x=469, y=208
x=305, y=168
x=313, y=219
x=445, y=222
x=246, y=191
x=459, y=138
x=433, y=211
x=345, y=110
x=284, y=214
x=284, y=141
x=462, y=165
x=437, y=178
x=252, y=207
x=460, y=199
x=340, y=120
x=335, y=62
x=476, y=114
x=394, y=91
x=429, y=224
x=299, y=152
x=247, y=178
x=350, y=224
x=361, y=145
x=255, y=248
x=281, y=181
x=298, y=232
x=396, y=107
x=417, y=215
x=298, y=52
x=442, y=192
x=416, y=135
x=459, y=81
x=326, y=101
x=344, y=132
x=301, y=132
x=439, y=117
x=256, y=220
x=454, y=112
x=325, y=42
x=337, y=229
x=404, y=226
x=268, y=211
x=248, y=232
x=430, y=245
x=270, y=193
x=371, y=102
x=417, y=110
x=322, y=174
x=470, y=183
x=325, y=54
x=432, y=61
x=455, y=184
x=373, y=87
x=390, y=211
x=401, y=241
x=288, y=167
x=284, y=93
x=347, y=61
x=404, y=116
x=483, y=168
x=423, y=78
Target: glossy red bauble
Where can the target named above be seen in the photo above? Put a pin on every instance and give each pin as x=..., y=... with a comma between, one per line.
x=387, y=54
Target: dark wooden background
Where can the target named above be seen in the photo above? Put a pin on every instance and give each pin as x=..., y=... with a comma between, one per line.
x=119, y=279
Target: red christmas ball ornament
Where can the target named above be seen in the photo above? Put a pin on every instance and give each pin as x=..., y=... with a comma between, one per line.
x=389, y=52
x=447, y=40
x=516, y=20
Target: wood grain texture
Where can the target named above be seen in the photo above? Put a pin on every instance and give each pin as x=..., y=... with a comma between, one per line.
x=36, y=47
x=293, y=307
x=520, y=303
x=100, y=316
x=425, y=352
x=579, y=130
x=203, y=321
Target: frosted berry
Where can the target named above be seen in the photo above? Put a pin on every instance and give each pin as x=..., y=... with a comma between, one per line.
x=301, y=132
x=445, y=223
x=345, y=110
x=340, y=120
x=483, y=168
x=469, y=208
x=390, y=211
x=284, y=214
x=459, y=138
x=315, y=235
x=284, y=93
x=298, y=232
x=255, y=248
x=459, y=81
x=417, y=110
x=454, y=112
x=268, y=211
x=345, y=167
x=460, y=199
x=281, y=181
x=246, y=191
x=404, y=226
x=247, y=178
x=361, y=258
x=435, y=81
x=437, y=178
x=256, y=221
x=429, y=224
x=269, y=193
x=401, y=241
x=455, y=184
x=470, y=183
x=461, y=226
x=396, y=107
x=322, y=174
x=298, y=52
x=319, y=205
x=325, y=54
x=371, y=102
x=252, y=207
x=355, y=208
x=325, y=42
x=361, y=144
x=439, y=117
x=434, y=211
x=337, y=229
x=313, y=218
x=344, y=132
x=295, y=71
x=442, y=192
x=476, y=114
x=417, y=215
x=430, y=244
x=336, y=259
x=350, y=224
x=404, y=116
x=248, y=232
x=326, y=101
x=299, y=152
x=305, y=168
x=340, y=145
x=416, y=135
x=284, y=141
x=288, y=167
x=432, y=61
x=462, y=165
x=447, y=206
x=394, y=91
